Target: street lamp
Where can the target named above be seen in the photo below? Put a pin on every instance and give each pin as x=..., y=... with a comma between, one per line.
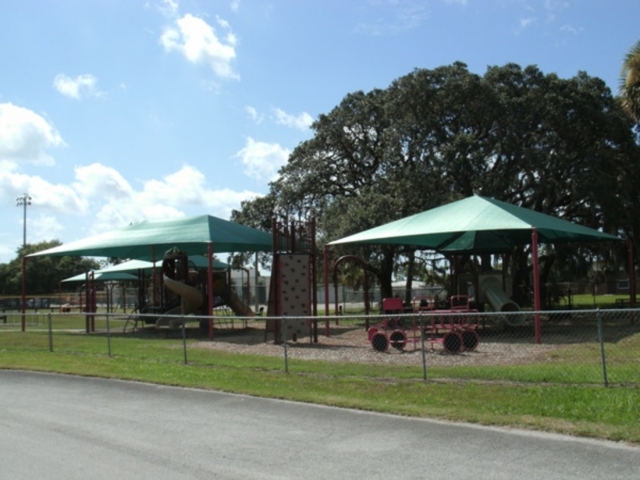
x=24, y=201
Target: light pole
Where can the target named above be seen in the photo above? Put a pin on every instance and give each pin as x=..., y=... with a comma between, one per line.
x=24, y=201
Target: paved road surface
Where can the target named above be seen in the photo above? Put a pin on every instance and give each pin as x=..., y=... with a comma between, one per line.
x=66, y=427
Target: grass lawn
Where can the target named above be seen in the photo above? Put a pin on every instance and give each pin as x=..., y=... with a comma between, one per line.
x=496, y=395
x=586, y=300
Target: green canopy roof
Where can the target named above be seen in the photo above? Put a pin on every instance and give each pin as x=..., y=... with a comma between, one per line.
x=476, y=224
x=130, y=266
x=99, y=276
x=149, y=240
x=199, y=261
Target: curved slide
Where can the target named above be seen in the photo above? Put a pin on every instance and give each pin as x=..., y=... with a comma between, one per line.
x=190, y=300
x=491, y=289
x=239, y=307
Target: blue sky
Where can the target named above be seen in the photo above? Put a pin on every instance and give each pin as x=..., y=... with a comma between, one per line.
x=116, y=111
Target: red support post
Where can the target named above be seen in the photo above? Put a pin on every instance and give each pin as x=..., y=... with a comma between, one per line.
x=210, y=287
x=326, y=288
x=24, y=291
x=536, y=285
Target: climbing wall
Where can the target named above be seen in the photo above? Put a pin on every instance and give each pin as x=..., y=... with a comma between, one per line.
x=295, y=288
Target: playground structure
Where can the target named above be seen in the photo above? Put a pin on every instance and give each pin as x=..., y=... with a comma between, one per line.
x=181, y=289
x=492, y=288
x=453, y=325
x=453, y=328
x=185, y=291
x=293, y=289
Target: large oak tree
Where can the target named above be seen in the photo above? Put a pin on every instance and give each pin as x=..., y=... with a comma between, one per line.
x=563, y=147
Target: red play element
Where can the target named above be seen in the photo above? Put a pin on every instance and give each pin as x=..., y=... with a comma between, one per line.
x=453, y=328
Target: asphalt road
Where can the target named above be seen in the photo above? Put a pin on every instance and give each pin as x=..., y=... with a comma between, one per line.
x=67, y=427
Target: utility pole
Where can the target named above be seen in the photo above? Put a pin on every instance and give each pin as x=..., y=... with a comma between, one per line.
x=24, y=201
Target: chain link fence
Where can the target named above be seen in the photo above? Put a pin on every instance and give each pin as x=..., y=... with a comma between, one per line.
x=552, y=347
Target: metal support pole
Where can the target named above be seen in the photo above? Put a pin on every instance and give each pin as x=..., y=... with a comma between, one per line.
x=108, y=336
x=24, y=291
x=424, y=355
x=284, y=340
x=184, y=338
x=601, y=340
x=325, y=270
x=50, y=333
x=24, y=201
x=256, y=276
x=536, y=285
x=210, y=287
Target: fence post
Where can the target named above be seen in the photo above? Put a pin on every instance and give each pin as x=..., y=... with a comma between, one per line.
x=50, y=333
x=424, y=356
x=184, y=339
x=108, y=335
x=284, y=340
x=601, y=340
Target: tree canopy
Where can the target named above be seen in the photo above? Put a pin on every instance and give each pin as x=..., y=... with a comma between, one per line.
x=563, y=147
x=43, y=273
x=630, y=82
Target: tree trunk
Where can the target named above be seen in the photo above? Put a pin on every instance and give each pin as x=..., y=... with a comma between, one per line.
x=386, y=274
x=410, y=270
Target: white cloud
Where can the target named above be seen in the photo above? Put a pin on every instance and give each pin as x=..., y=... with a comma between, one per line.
x=25, y=136
x=118, y=213
x=100, y=199
x=81, y=86
x=56, y=197
x=394, y=17
x=235, y=5
x=571, y=29
x=524, y=23
x=184, y=187
x=97, y=180
x=158, y=198
x=553, y=7
x=44, y=226
x=169, y=8
x=301, y=122
x=253, y=114
x=262, y=160
x=197, y=41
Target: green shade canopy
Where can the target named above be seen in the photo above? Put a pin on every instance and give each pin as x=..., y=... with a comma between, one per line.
x=130, y=266
x=100, y=276
x=474, y=225
x=121, y=271
x=199, y=261
x=149, y=240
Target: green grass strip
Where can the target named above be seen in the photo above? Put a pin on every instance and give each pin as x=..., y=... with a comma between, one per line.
x=506, y=396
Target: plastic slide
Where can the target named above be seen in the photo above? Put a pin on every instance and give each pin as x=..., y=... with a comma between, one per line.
x=491, y=288
x=190, y=301
x=239, y=307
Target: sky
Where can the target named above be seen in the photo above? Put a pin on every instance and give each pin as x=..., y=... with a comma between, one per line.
x=118, y=111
